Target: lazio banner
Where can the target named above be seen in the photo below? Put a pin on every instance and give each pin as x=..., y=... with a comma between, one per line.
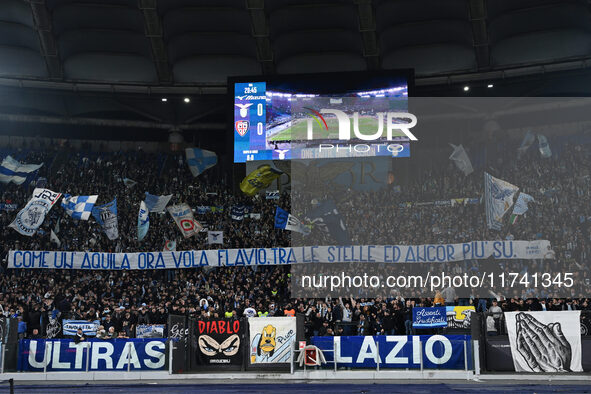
x=280, y=256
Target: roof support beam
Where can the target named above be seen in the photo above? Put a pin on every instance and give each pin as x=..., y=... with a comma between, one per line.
x=42, y=22
x=260, y=31
x=153, y=31
x=367, y=28
x=477, y=12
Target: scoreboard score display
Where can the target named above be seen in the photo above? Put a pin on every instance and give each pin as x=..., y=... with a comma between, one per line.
x=321, y=116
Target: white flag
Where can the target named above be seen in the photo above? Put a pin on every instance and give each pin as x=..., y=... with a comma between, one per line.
x=30, y=218
x=129, y=182
x=53, y=238
x=461, y=159
x=215, y=237
x=183, y=216
x=498, y=200
x=13, y=171
x=521, y=204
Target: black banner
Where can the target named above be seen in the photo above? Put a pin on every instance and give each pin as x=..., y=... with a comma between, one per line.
x=178, y=332
x=218, y=344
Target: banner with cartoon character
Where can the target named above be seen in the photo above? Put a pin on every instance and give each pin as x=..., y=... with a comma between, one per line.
x=545, y=341
x=271, y=339
x=219, y=343
x=459, y=316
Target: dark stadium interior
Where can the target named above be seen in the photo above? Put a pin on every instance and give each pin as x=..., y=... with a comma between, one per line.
x=106, y=90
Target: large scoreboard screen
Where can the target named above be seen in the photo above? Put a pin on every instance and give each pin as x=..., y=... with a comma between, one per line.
x=320, y=116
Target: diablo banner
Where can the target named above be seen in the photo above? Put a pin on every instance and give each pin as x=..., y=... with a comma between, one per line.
x=220, y=343
x=271, y=339
x=280, y=256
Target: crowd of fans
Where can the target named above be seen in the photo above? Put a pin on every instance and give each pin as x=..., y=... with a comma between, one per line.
x=40, y=299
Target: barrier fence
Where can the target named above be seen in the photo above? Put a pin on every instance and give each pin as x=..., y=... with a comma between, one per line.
x=278, y=344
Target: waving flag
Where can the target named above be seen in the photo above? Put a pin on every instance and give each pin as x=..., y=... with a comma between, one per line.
x=287, y=221
x=143, y=221
x=237, y=212
x=215, y=237
x=30, y=218
x=259, y=179
x=328, y=219
x=106, y=216
x=129, y=183
x=200, y=160
x=498, y=199
x=461, y=159
x=183, y=217
x=169, y=246
x=157, y=203
x=79, y=207
x=528, y=140
x=13, y=171
x=520, y=207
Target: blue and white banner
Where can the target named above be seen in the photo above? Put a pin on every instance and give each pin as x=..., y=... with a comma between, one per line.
x=215, y=237
x=98, y=355
x=106, y=216
x=79, y=207
x=203, y=209
x=13, y=171
x=143, y=221
x=429, y=317
x=8, y=207
x=200, y=160
x=157, y=203
x=149, y=330
x=30, y=218
x=503, y=250
x=521, y=204
x=70, y=327
x=287, y=221
x=237, y=212
x=498, y=200
x=272, y=195
x=397, y=351
x=444, y=316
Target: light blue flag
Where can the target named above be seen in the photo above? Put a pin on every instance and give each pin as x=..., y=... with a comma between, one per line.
x=106, y=216
x=79, y=207
x=157, y=203
x=200, y=160
x=498, y=200
x=143, y=221
x=13, y=171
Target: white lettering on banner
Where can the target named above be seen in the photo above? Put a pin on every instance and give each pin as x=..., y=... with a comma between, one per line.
x=280, y=256
x=150, y=351
x=369, y=351
x=33, y=351
x=400, y=341
x=106, y=356
x=79, y=353
x=129, y=353
x=446, y=349
x=55, y=360
x=339, y=357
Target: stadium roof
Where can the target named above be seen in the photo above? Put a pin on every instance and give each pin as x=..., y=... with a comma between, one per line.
x=84, y=51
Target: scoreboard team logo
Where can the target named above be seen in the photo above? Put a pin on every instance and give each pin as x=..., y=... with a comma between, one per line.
x=241, y=127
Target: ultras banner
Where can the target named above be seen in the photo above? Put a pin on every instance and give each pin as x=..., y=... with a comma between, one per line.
x=271, y=339
x=219, y=343
x=545, y=341
x=112, y=355
x=278, y=256
x=397, y=351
